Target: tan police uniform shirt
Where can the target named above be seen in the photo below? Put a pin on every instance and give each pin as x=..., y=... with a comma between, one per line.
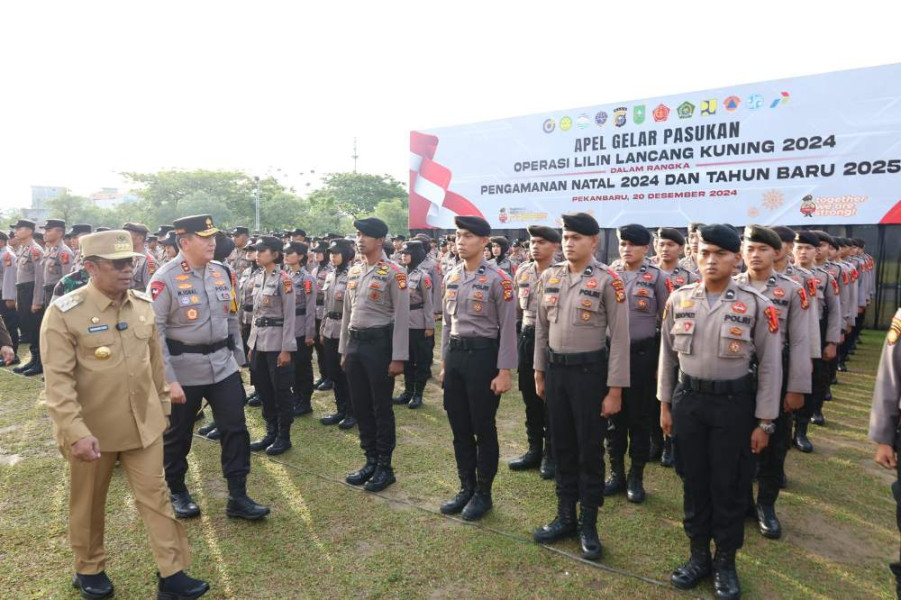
x=58, y=261
x=717, y=342
x=320, y=273
x=422, y=309
x=377, y=296
x=887, y=391
x=304, y=304
x=273, y=298
x=527, y=293
x=678, y=277
x=245, y=296
x=30, y=268
x=690, y=264
x=646, y=294
x=145, y=267
x=333, y=291
x=576, y=312
x=480, y=304
x=828, y=304
x=103, y=370
x=7, y=274
x=807, y=281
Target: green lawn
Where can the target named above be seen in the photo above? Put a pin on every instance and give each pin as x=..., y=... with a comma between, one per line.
x=325, y=539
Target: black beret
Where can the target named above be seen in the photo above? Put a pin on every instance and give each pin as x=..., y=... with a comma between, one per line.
x=721, y=235
x=268, y=242
x=201, y=225
x=581, y=223
x=412, y=245
x=297, y=231
x=475, y=225
x=692, y=227
x=296, y=247
x=785, y=234
x=807, y=237
x=668, y=233
x=372, y=227
x=637, y=234
x=51, y=223
x=861, y=243
x=763, y=235
x=546, y=233
x=224, y=246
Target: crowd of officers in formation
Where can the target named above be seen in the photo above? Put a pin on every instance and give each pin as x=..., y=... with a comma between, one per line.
x=744, y=330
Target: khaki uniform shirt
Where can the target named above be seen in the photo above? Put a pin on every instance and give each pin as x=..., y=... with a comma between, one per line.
x=58, y=261
x=273, y=298
x=718, y=342
x=333, y=291
x=806, y=280
x=30, y=268
x=828, y=304
x=245, y=296
x=7, y=274
x=430, y=265
x=320, y=272
x=145, y=267
x=103, y=370
x=576, y=312
x=197, y=307
x=377, y=296
x=646, y=292
x=678, y=277
x=480, y=304
x=887, y=391
x=690, y=264
x=527, y=293
x=304, y=304
x=420, y=284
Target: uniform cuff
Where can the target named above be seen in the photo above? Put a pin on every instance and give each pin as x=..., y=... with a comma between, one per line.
x=77, y=431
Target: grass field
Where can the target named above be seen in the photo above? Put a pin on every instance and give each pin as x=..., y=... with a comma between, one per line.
x=326, y=539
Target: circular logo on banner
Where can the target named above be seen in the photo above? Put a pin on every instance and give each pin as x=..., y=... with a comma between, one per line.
x=566, y=123
x=583, y=121
x=549, y=125
x=600, y=118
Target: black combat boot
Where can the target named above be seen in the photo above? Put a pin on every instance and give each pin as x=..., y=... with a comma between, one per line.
x=416, y=398
x=364, y=473
x=183, y=505
x=588, y=533
x=240, y=505
x=548, y=467
x=302, y=407
x=327, y=384
x=667, y=459
x=22, y=368
x=180, y=587
x=800, y=439
x=93, y=587
x=254, y=400
x=816, y=418
x=348, y=422
x=563, y=526
x=530, y=460
x=267, y=440
x=36, y=369
x=616, y=482
x=768, y=522
x=458, y=502
x=725, y=577
x=635, y=485
x=383, y=476
x=696, y=568
x=332, y=419
x=405, y=397
x=282, y=441
x=480, y=503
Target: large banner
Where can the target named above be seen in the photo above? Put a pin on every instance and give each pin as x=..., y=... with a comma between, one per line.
x=818, y=150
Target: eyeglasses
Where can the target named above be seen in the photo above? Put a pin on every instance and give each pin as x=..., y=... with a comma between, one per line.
x=120, y=264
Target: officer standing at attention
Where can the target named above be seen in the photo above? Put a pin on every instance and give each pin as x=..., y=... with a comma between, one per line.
x=761, y=246
x=478, y=349
x=238, y=259
x=304, y=325
x=712, y=331
x=58, y=258
x=341, y=254
x=646, y=294
x=107, y=396
x=320, y=271
x=374, y=344
x=271, y=344
x=418, y=369
x=499, y=248
x=544, y=244
x=8, y=295
x=29, y=293
x=690, y=262
x=145, y=264
x=885, y=419
x=196, y=317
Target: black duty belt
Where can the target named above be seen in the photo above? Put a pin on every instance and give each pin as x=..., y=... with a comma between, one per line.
x=370, y=334
x=645, y=344
x=25, y=284
x=707, y=386
x=320, y=302
x=472, y=343
x=416, y=306
x=268, y=322
x=528, y=330
x=177, y=348
x=576, y=358
x=301, y=311
x=334, y=315
x=247, y=307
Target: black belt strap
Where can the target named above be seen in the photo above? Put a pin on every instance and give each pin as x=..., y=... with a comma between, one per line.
x=576, y=358
x=247, y=307
x=299, y=312
x=177, y=348
x=472, y=343
x=370, y=334
x=416, y=306
x=268, y=322
x=334, y=315
x=707, y=386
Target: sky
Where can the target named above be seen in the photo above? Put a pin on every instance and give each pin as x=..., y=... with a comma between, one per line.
x=91, y=89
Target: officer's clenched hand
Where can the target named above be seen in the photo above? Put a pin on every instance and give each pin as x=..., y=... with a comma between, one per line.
x=613, y=402
x=441, y=378
x=283, y=359
x=36, y=308
x=176, y=394
x=10, y=304
x=539, y=384
x=885, y=456
x=395, y=368
x=86, y=449
x=429, y=332
x=8, y=354
x=829, y=352
x=793, y=401
x=501, y=383
x=309, y=342
x=666, y=418
x=760, y=439
x=342, y=362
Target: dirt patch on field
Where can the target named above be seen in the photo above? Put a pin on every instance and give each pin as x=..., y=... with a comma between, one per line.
x=840, y=543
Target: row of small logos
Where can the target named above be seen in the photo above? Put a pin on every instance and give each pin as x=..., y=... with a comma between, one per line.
x=686, y=110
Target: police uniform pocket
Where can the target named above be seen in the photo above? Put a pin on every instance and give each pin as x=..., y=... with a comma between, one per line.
x=143, y=331
x=683, y=332
x=585, y=313
x=735, y=341
x=478, y=303
x=642, y=299
x=451, y=307
x=97, y=348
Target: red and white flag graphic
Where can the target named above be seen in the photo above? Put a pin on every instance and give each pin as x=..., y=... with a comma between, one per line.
x=432, y=204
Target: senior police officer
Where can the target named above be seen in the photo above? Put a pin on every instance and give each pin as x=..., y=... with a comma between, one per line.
x=885, y=420
x=711, y=333
x=304, y=324
x=196, y=318
x=29, y=293
x=646, y=294
x=478, y=349
x=418, y=369
x=374, y=344
x=581, y=377
x=106, y=393
x=341, y=254
x=271, y=344
x=761, y=246
x=544, y=244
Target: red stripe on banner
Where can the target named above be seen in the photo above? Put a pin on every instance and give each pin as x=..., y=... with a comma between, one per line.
x=425, y=146
x=892, y=217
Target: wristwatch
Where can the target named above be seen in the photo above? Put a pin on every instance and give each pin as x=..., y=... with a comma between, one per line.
x=768, y=428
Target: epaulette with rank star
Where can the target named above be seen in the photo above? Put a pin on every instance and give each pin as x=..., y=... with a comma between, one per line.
x=69, y=301
x=141, y=295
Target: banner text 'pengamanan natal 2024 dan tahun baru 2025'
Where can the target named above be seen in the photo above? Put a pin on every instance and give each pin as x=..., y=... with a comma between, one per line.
x=817, y=150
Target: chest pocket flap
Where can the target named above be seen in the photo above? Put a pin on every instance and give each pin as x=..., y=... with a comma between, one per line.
x=735, y=341
x=683, y=333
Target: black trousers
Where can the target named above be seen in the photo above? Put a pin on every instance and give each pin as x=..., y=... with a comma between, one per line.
x=303, y=371
x=11, y=318
x=632, y=425
x=418, y=370
x=320, y=351
x=274, y=383
x=574, y=397
x=819, y=385
x=538, y=430
x=366, y=364
x=226, y=399
x=771, y=461
x=334, y=372
x=29, y=322
x=896, y=486
x=471, y=408
x=245, y=335
x=712, y=438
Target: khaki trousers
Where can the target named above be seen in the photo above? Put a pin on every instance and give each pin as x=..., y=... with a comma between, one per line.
x=89, y=483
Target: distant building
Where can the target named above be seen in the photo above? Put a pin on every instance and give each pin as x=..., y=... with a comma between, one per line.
x=41, y=195
x=110, y=197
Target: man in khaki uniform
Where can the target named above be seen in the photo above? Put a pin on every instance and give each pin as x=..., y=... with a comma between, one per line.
x=107, y=396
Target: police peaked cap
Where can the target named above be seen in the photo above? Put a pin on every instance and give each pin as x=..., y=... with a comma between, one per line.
x=296, y=247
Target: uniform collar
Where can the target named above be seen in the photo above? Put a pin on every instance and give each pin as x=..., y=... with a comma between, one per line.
x=99, y=299
x=730, y=294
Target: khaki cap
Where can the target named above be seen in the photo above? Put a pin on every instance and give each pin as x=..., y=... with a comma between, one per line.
x=114, y=244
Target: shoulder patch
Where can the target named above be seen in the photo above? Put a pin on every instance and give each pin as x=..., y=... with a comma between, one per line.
x=308, y=286
x=156, y=288
x=772, y=318
x=805, y=302
x=401, y=280
x=507, y=286
x=141, y=295
x=287, y=282
x=68, y=302
x=426, y=281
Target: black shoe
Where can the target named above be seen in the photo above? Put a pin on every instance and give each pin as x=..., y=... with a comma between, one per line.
x=768, y=522
x=530, y=460
x=783, y=481
x=725, y=578
x=281, y=445
x=206, y=429
x=842, y=367
x=267, y=440
x=403, y=398
x=363, y=474
x=895, y=568
x=696, y=568
x=180, y=587
x=458, y=502
x=588, y=534
x=22, y=368
x=382, y=478
x=242, y=507
x=254, y=400
x=816, y=418
x=827, y=397
x=326, y=385
x=415, y=401
x=667, y=459
x=93, y=587
x=616, y=483
x=318, y=382
x=332, y=419
x=184, y=506
x=36, y=369
x=302, y=408
x=548, y=469
x=656, y=451
x=635, y=485
x=800, y=440
x=214, y=435
x=347, y=423
x=563, y=526
x=477, y=507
